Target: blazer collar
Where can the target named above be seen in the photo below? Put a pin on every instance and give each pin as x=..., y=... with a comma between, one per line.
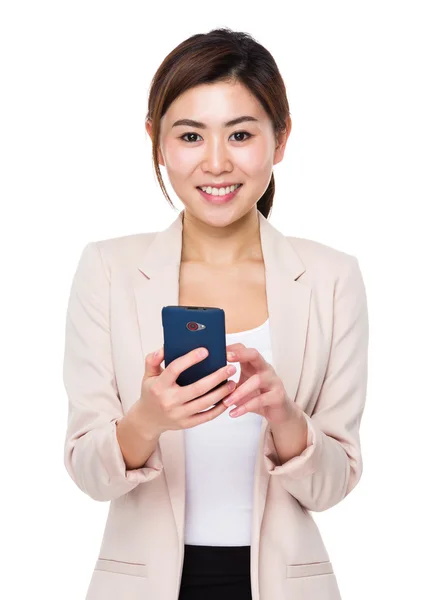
x=157, y=285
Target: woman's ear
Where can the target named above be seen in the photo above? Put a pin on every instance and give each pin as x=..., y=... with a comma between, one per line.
x=148, y=127
x=282, y=138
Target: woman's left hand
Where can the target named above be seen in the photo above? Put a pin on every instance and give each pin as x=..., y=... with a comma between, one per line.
x=259, y=389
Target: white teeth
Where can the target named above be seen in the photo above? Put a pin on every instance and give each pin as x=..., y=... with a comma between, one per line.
x=221, y=191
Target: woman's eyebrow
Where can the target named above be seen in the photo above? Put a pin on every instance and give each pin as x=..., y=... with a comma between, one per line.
x=200, y=125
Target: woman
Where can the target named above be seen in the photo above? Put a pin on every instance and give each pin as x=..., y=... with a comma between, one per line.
x=207, y=502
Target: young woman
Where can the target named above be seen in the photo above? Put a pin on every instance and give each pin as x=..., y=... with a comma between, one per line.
x=209, y=502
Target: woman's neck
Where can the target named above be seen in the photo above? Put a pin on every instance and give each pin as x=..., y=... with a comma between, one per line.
x=221, y=246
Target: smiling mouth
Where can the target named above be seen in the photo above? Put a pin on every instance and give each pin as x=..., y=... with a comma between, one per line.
x=218, y=195
x=219, y=199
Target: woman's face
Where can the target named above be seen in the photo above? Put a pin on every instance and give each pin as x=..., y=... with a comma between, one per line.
x=211, y=152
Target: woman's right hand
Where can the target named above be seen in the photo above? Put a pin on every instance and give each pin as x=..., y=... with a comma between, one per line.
x=165, y=405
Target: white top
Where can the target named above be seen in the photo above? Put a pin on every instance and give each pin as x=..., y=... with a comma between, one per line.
x=220, y=460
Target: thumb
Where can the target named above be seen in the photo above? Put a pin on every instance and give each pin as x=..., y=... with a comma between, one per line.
x=153, y=362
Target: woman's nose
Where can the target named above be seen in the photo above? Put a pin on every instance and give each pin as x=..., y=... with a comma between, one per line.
x=217, y=157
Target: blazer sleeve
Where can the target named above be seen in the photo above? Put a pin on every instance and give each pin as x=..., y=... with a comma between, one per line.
x=331, y=465
x=92, y=455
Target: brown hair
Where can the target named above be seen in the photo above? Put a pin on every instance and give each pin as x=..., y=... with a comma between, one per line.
x=220, y=55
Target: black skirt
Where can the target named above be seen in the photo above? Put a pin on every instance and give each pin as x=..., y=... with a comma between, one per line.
x=214, y=572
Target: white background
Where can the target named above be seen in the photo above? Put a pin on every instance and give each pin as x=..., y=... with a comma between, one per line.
x=76, y=167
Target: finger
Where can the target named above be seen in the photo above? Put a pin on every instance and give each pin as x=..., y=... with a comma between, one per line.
x=233, y=348
x=208, y=415
x=205, y=384
x=180, y=364
x=256, y=404
x=242, y=391
x=250, y=355
x=258, y=381
x=206, y=401
x=153, y=362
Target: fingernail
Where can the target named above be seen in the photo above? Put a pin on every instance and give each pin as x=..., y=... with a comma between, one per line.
x=230, y=355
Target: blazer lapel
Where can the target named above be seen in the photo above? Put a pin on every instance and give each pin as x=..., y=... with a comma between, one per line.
x=157, y=285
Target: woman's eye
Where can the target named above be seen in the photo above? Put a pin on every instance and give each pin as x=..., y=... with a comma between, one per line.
x=196, y=134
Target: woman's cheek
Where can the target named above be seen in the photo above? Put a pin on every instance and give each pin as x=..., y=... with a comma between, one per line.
x=179, y=161
x=256, y=160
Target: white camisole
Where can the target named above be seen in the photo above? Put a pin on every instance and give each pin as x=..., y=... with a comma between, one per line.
x=220, y=460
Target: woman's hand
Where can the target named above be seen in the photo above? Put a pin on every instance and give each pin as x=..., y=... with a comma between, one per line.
x=165, y=405
x=259, y=389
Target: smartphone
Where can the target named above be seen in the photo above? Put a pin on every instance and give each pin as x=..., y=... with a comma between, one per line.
x=186, y=328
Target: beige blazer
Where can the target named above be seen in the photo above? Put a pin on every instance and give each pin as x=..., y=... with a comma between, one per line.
x=319, y=329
